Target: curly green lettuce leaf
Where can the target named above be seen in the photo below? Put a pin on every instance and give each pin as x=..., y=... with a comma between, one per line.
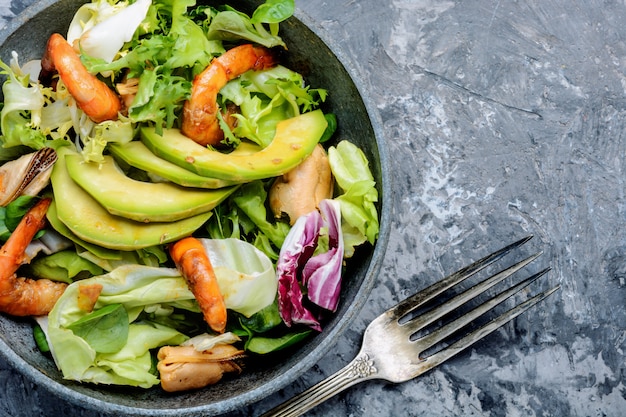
x=110, y=131
x=265, y=98
x=160, y=96
x=21, y=113
x=33, y=116
x=192, y=44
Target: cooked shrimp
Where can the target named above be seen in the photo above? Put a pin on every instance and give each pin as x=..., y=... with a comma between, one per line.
x=199, y=121
x=25, y=296
x=92, y=96
x=194, y=265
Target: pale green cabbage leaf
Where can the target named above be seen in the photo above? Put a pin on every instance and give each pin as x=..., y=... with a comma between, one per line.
x=246, y=278
x=245, y=275
x=359, y=195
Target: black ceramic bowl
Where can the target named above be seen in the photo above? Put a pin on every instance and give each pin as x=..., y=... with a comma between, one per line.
x=319, y=59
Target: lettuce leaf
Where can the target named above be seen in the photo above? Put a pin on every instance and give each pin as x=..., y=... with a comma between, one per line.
x=359, y=195
x=135, y=287
x=63, y=266
x=104, y=34
x=91, y=14
x=21, y=113
x=246, y=278
x=250, y=198
x=245, y=275
x=232, y=25
x=110, y=131
x=265, y=98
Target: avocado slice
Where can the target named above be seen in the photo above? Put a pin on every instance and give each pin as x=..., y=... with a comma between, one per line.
x=88, y=220
x=137, y=155
x=63, y=230
x=294, y=140
x=137, y=200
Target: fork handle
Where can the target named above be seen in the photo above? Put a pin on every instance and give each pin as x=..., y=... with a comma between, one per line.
x=360, y=369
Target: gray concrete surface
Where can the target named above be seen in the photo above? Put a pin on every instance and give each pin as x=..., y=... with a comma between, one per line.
x=503, y=118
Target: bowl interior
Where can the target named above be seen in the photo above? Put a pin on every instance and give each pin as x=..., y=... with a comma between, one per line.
x=319, y=62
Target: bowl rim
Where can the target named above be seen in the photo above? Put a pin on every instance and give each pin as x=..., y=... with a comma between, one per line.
x=385, y=199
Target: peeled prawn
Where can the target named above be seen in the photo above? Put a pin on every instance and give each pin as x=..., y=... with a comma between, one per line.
x=92, y=95
x=199, y=121
x=25, y=296
x=194, y=265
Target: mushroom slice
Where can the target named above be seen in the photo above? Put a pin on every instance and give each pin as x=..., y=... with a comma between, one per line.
x=27, y=175
x=299, y=191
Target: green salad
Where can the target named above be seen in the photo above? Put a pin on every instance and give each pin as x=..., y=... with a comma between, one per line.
x=116, y=99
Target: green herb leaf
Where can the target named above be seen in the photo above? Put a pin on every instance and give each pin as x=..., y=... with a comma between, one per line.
x=331, y=119
x=250, y=198
x=264, y=320
x=40, y=339
x=274, y=11
x=106, y=329
x=264, y=345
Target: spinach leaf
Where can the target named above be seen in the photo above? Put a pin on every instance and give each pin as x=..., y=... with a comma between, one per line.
x=11, y=215
x=264, y=345
x=264, y=320
x=106, y=329
x=274, y=11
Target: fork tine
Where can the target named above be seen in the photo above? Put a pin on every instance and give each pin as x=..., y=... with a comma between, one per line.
x=441, y=333
x=416, y=300
x=471, y=338
x=430, y=316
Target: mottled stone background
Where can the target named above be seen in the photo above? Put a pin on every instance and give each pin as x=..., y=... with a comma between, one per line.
x=503, y=118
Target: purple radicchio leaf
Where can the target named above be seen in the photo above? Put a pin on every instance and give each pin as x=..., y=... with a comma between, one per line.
x=322, y=273
x=297, y=248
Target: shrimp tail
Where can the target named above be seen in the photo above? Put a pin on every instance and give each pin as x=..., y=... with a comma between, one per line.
x=194, y=265
x=199, y=120
x=92, y=95
x=25, y=296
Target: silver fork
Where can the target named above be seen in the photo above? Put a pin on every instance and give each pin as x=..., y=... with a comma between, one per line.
x=392, y=331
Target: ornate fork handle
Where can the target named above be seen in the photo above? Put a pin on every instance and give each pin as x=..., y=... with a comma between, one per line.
x=360, y=369
x=408, y=339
